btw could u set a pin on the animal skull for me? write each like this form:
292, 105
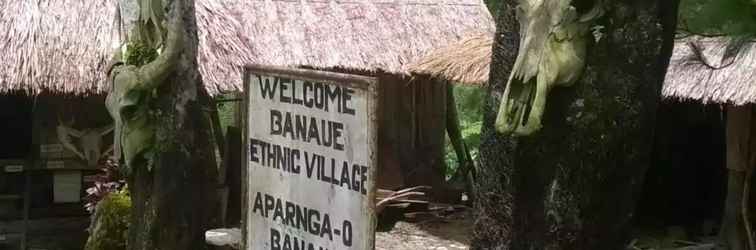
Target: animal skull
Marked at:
90, 141
552, 53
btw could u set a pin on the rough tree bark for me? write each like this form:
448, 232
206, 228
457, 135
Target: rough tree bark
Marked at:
574, 184
172, 187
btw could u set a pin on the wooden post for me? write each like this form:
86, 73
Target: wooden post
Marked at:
239, 111
739, 135
430, 118
739, 122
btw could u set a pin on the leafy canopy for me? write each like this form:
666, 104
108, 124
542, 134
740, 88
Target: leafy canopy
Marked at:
719, 17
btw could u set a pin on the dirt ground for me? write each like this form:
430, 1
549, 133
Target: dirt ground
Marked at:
453, 232
449, 233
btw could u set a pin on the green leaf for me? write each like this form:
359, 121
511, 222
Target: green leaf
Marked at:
728, 17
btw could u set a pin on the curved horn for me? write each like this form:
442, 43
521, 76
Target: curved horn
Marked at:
107, 129
64, 136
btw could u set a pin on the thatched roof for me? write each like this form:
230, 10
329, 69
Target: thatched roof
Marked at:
63, 45
465, 62
711, 78
55, 44
716, 81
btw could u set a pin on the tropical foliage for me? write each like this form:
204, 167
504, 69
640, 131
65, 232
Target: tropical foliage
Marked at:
493, 6
718, 17
469, 103
110, 204
111, 225
108, 181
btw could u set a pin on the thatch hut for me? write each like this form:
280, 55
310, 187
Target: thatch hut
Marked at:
62, 46
699, 70
372, 38
708, 78
465, 62
719, 70
57, 50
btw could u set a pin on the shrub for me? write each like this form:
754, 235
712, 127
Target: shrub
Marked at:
110, 223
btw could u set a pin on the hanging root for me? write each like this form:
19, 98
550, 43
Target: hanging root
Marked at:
744, 209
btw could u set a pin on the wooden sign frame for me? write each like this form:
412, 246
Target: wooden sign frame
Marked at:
363, 83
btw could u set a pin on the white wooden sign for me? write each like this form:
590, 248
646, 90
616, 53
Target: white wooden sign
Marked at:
311, 160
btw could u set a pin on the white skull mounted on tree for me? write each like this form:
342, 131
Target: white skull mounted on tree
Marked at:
90, 143
553, 39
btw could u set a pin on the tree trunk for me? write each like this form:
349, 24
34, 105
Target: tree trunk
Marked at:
574, 184
173, 201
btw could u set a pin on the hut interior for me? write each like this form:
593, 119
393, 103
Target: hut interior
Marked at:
705, 78
43, 182
16, 117
411, 130
684, 187
16, 143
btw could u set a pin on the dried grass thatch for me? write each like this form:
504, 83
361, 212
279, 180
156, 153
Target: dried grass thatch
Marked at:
63, 45
360, 34
59, 45
465, 62
710, 77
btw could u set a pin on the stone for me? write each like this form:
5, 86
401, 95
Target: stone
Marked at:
224, 237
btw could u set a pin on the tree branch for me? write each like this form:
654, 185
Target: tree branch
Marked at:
155, 72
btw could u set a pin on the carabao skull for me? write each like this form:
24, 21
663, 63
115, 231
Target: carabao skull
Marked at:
553, 40
90, 141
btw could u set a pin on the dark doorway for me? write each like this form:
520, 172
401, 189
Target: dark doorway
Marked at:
684, 188
15, 125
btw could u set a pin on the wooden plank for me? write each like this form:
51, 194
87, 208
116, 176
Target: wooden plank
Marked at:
43, 225
407, 129
739, 137
430, 133
437, 135
11, 238
10, 197
245, 158
395, 145
233, 165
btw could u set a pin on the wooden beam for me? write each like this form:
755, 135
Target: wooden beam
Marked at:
740, 143
739, 123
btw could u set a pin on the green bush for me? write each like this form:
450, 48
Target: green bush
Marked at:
719, 17
226, 111
110, 223
470, 114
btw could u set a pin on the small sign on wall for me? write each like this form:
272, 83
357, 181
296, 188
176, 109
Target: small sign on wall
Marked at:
55, 164
310, 159
67, 186
13, 168
50, 148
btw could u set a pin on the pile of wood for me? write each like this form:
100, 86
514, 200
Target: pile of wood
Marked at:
412, 205
403, 199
